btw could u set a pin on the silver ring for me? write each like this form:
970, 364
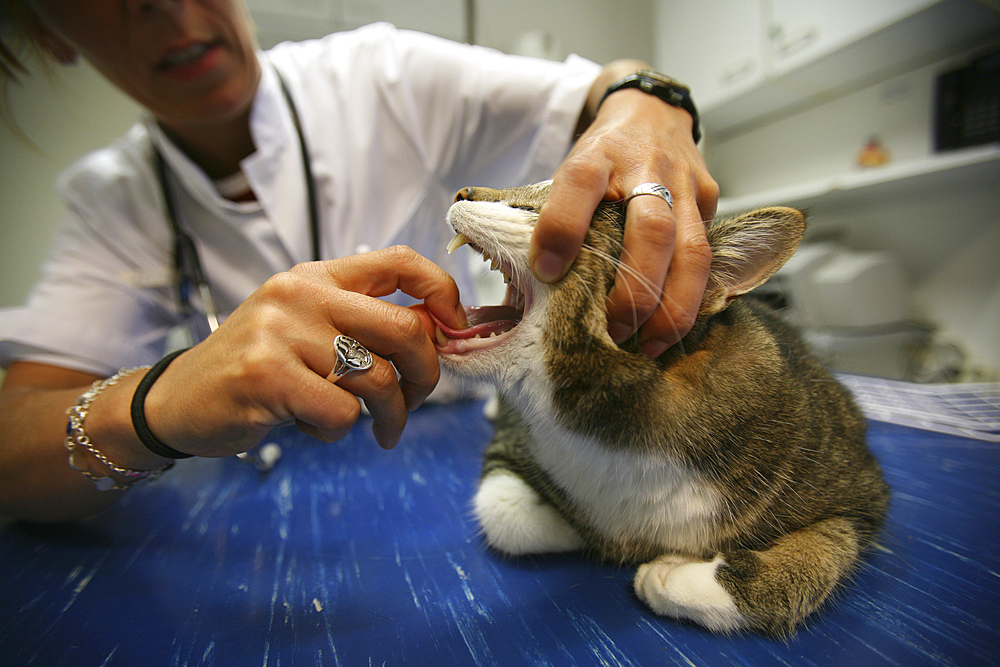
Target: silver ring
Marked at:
351, 356
656, 189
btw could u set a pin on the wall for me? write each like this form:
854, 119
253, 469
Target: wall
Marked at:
596, 29
62, 114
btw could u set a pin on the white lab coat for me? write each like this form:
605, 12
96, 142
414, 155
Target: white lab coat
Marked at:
395, 123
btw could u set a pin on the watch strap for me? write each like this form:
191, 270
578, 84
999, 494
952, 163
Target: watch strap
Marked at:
653, 83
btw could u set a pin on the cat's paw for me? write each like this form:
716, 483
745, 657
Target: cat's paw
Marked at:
491, 408
683, 587
517, 521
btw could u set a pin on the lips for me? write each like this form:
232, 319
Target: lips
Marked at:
190, 60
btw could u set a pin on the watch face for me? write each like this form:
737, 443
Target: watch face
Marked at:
662, 78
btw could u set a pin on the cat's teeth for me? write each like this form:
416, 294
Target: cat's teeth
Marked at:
493, 334
442, 340
506, 278
457, 242
494, 264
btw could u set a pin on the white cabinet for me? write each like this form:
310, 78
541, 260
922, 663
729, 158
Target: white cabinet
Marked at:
747, 60
799, 31
712, 45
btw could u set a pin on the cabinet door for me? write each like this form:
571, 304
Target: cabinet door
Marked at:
714, 46
798, 31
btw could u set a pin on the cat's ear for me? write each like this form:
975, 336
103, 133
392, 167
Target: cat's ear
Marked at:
747, 250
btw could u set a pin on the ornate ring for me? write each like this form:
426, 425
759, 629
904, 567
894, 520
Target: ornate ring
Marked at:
351, 356
656, 189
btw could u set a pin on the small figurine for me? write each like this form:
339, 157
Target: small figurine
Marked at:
873, 154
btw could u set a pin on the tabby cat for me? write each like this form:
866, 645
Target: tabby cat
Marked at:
733, 469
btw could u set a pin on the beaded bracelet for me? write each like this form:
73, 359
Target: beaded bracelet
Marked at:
77, 439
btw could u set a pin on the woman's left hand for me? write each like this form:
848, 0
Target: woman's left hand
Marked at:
636, 138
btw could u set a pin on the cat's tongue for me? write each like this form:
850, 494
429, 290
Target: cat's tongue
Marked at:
483, 321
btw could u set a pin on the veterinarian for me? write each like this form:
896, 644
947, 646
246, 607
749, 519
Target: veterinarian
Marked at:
248, 166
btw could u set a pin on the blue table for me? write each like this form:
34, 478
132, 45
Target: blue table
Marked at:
348, 555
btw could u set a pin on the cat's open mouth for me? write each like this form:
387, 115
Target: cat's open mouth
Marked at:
488, 325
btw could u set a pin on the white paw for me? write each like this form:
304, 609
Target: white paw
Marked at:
683, 587
517, 521
491, 408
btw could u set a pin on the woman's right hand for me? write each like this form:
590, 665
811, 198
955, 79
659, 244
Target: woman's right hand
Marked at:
271, 361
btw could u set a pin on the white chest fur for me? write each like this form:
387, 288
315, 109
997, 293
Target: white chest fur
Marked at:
624, 494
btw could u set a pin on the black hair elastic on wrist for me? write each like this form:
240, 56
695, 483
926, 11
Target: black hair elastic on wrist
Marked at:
139, 410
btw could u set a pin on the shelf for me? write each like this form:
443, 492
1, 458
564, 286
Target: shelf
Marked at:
912, 178
941, 30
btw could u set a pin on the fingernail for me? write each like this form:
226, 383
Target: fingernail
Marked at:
654, 348
619, 332
548, 266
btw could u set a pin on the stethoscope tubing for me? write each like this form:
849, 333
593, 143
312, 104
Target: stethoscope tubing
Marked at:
187, 264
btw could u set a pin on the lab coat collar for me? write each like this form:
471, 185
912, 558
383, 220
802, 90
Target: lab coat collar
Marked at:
274, 170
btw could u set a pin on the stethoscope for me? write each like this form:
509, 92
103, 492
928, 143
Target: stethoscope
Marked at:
187, 266
190, 275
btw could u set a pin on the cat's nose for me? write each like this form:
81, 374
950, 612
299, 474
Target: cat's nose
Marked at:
464, 194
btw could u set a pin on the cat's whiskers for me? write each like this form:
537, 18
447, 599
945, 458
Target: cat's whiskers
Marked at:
623, 270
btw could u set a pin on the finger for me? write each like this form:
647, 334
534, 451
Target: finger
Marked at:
648, 249
708, 195
327, 435
381, 392
397, 334
322, 409
335, 408
708, 202
383, 272
421, 311
683, 289
576, 190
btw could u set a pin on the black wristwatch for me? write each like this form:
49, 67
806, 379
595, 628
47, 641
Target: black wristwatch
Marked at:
672, 92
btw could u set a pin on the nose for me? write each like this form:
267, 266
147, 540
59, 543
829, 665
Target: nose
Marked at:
465, 194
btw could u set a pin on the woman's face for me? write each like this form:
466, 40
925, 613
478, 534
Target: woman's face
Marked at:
190, 62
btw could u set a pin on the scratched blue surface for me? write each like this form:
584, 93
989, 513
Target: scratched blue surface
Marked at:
348, 555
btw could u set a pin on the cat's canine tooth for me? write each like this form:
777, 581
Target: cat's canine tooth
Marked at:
442, 340
457, 242
494, 264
